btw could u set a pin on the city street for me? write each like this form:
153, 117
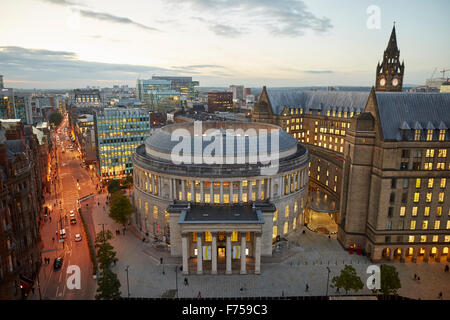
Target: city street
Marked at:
70, 182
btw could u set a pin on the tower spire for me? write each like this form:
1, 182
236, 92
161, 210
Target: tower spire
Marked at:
392, 44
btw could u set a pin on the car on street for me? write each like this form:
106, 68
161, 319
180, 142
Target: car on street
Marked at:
72, 214
62, 233
73, 221
57, 264
77, 237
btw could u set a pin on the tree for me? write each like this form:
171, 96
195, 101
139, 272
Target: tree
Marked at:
99, 239
348, 280
55, 118
106, 255
113, 186
128, 181
121, 208
390, 281
108, 286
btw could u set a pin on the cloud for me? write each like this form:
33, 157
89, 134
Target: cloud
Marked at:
200, 66
318, 71
45, 65
282, 17
102, 16
114, 19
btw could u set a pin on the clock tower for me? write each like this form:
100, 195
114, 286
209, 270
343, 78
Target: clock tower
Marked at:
390, 71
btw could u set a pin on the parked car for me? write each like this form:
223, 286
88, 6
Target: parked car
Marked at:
77, 237
62, 233
57, 264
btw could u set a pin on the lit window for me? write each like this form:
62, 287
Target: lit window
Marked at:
216, 198
402, 211
437, 224
442, 135
429, 197
443, 183
208, 237
418, 183
429, 135
286, 211
411, 239
441, 197
423, 238
234, 236
442, 153
275, 215
426, 211
155, 212
435, 238
430, 153
413, 225
286, 227
417, 135
207, 198
425, 225
430, 183
416, 197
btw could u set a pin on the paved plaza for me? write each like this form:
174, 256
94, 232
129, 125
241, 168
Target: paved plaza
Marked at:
303, 260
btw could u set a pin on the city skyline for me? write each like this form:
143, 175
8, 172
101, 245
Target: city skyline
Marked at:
256, 43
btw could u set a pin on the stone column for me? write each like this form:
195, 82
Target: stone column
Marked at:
153, 184
391, 254
231, 191
258, 253
415, 253
201, 192
243, 256
229, 254
283, 189
289, 183
403, 256
258, 197
192, 191
214, 254
240, 191
298, 180
199, 253
171, 189
250, 190
211, 192
183, 194
221, 192
159, 186
426, 256
184, 249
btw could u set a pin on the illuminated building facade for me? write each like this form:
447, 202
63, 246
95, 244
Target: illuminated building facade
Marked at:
220, 101
118, 132
217, 216
381, 156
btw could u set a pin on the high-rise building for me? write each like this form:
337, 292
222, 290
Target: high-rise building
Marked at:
220, 101
238, 93
145, 85
184, 85
118, 132
379, 162
1, 81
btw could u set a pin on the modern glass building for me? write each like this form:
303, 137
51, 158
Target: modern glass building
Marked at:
144, 86
184, 85
118, 132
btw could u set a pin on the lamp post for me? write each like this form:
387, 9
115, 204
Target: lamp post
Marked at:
176, 280
128, 284
328, 278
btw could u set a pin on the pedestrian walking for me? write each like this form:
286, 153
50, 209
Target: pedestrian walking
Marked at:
186, 283
440, 295
50, 218
199, 295
415, 276
307, 287
418, 278
446, 268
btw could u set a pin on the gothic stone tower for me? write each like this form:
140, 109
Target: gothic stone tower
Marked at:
390, 71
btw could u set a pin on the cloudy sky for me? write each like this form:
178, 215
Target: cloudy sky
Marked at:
75, 43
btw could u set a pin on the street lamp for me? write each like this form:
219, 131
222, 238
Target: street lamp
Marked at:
328, 278
176, 279
128, 284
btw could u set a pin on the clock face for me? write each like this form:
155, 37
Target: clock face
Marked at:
382, 82
395, 82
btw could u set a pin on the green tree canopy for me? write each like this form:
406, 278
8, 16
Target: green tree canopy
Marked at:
105, 255
348, 280
108, 286
55, 118
121, 208
390, 281
128, 181
100, 239
113, 186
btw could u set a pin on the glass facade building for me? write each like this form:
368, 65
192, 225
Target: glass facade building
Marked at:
118, 132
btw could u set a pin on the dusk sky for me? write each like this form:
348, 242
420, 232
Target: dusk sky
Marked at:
76, 43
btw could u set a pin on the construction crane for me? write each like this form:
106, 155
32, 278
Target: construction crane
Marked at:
443, 71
